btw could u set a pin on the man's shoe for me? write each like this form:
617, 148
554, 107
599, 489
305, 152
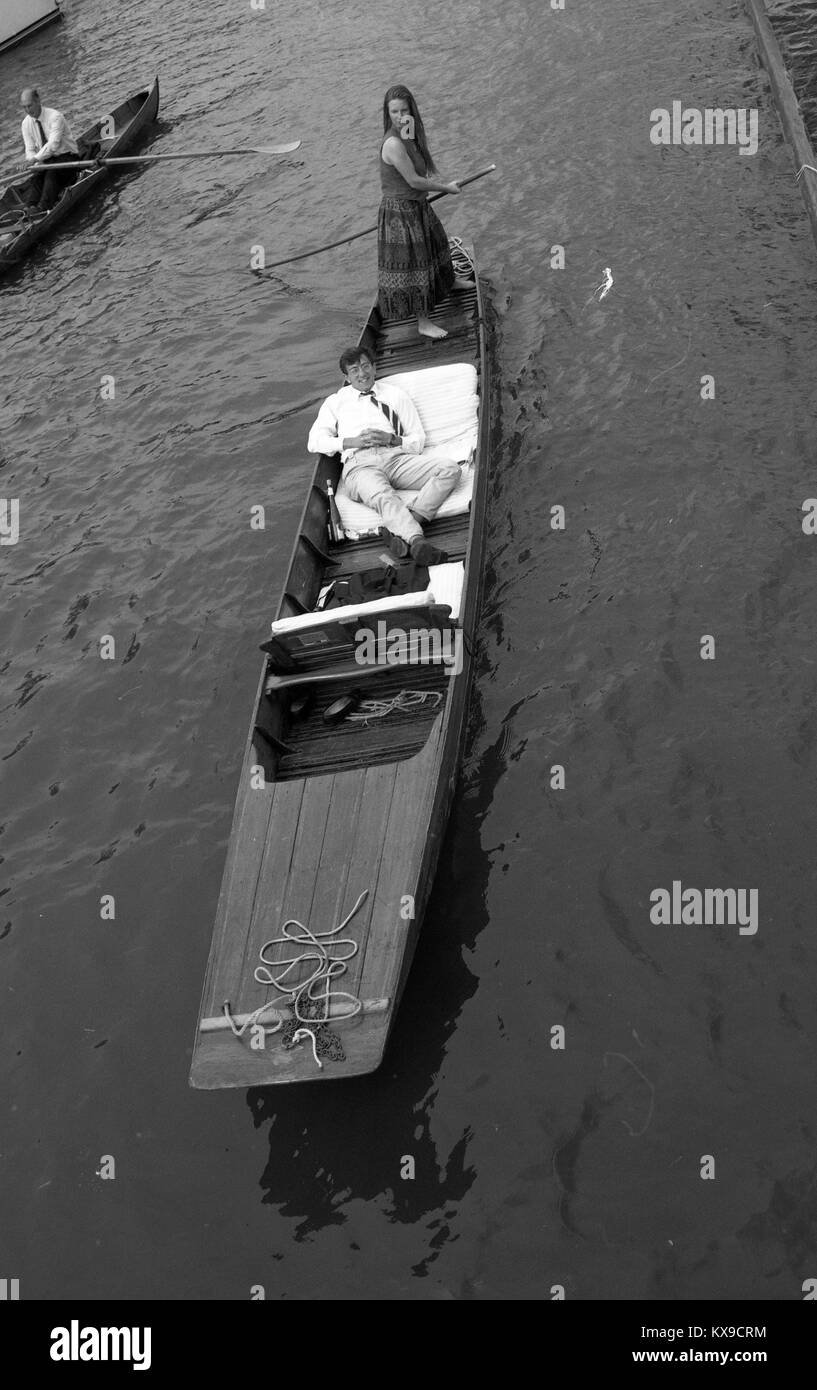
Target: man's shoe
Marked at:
425, 553
398, 547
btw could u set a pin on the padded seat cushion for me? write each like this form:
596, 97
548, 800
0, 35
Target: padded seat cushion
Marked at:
358, 518
447, 404
445, 587
445, 582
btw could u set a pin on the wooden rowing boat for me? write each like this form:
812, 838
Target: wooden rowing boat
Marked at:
330, 817
18, 232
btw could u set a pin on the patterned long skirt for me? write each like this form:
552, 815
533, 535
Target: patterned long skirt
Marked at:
414, 269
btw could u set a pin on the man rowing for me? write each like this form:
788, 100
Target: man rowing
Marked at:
48, 140
378, 460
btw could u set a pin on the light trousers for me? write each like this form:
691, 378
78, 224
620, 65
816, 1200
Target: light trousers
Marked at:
372, 475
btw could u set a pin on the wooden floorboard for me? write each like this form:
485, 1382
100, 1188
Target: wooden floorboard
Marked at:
401, 348
366, 856
318, 748
403, 839
334, 895
411, 359
239, 986
449, 533
331, 895
287, 880
248, 841
351, 857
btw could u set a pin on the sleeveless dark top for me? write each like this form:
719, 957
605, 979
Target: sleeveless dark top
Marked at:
392, 183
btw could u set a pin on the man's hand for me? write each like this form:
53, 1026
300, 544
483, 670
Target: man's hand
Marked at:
369, 439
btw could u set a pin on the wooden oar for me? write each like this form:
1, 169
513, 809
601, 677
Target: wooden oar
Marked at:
152, 158
472, 178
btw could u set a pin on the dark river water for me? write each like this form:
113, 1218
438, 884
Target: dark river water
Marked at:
536, 1167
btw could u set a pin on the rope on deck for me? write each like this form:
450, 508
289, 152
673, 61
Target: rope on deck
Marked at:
326, 967
460, 259
251, 1020
404, 700
310, 1010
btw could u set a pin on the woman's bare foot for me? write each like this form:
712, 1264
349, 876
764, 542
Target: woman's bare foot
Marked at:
461, 283
429, 329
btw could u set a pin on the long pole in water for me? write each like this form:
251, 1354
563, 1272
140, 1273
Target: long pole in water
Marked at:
472, 178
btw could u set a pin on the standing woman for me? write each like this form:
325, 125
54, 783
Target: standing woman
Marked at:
414, 269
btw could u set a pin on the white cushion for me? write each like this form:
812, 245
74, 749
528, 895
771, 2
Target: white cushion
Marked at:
445, 582
447, 404
302, 621
357, 517
445, 586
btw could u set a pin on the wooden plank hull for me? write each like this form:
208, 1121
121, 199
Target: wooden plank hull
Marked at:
131, 119
308, 847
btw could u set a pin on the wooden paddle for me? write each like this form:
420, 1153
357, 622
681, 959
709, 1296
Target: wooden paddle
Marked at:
472, 178
152, 158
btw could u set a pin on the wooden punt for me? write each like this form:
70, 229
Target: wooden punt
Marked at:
347, 809
18, 233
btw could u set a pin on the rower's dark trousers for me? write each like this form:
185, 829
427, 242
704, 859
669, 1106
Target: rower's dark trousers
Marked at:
45, 187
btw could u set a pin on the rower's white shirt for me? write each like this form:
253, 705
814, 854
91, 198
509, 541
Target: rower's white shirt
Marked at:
348, 413
58, 137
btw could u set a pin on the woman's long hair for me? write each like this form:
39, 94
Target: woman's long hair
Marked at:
403, 94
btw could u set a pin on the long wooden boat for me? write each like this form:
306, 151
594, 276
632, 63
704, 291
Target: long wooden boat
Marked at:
331, 818
19, 232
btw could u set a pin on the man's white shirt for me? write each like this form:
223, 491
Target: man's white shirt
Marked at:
347, 414
58, 137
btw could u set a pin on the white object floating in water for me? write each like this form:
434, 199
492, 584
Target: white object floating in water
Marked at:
606, 284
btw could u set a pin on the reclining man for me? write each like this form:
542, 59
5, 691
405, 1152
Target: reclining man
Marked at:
48, 140
378, 460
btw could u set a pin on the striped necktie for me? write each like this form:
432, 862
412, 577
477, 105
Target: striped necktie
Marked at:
391, 415
41, 133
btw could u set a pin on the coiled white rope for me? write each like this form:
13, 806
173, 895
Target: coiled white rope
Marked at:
326, 969
404, 700
460, 259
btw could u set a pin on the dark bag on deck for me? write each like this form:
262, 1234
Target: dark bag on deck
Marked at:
385, 581
88, 149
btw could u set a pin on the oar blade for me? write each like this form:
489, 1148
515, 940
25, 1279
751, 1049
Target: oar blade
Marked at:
127, 159
277, 149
